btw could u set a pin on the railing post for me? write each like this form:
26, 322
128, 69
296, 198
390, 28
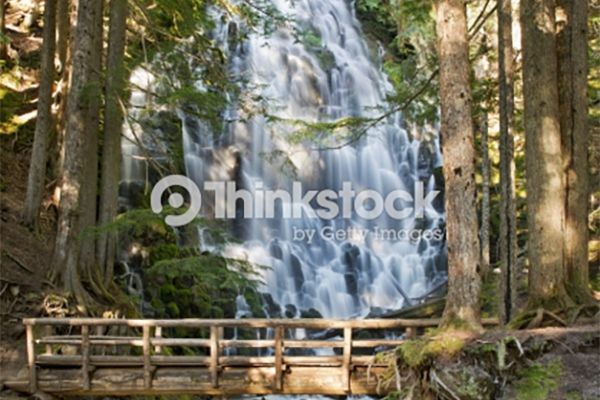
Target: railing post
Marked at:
85, 357
147, 360
31, 358
48, 332
278, 358
410, 333
347, 358
214, 355
158, 334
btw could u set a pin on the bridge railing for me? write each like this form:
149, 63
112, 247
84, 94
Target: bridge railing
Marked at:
82, 343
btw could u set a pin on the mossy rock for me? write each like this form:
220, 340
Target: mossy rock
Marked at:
418, 353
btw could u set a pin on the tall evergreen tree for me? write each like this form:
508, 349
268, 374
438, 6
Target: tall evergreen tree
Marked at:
508, 219
90, 167
464, 282
67, 245
543, 152
36, 180
113, 120
573, 104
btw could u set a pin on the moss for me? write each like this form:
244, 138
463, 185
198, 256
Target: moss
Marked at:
173, 309
574, 396
537, 381
416, 353
311, 38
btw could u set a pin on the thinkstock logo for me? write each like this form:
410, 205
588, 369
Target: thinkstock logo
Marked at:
260, 202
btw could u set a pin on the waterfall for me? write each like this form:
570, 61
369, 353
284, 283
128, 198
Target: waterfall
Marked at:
317, 82
316, 67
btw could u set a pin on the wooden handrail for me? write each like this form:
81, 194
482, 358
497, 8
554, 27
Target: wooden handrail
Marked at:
248, 323
214, 360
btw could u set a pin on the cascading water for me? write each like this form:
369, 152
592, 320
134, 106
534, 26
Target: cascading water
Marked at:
338, 277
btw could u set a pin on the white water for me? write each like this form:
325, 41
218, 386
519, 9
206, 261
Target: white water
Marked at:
345, 278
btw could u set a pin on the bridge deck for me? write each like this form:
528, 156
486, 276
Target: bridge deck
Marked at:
86, 356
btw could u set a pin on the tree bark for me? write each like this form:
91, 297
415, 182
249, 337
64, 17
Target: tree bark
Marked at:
111, 149
66, 250
543, 153
508, 220
63, 32
464, 282
484, 230
36, 180
65, 22
90, 167
573, 103
3, 49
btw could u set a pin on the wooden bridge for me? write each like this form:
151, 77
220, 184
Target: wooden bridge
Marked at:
87, 356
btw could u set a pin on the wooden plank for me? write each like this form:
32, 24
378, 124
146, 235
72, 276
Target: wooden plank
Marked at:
325, 361
254, 344
214, 356
122, 361
248, 361
158, 335
347, 357
250, 323
223, 361
115, 382
147, 357
181, 361
127, 341
96, 361
68, 340
278, 383
172, 342
313, 344
85, 357
370, 343
31, 358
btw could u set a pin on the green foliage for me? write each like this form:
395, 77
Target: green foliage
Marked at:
200, 285
537, 381
311, 38
376, 17
141, 224
324, 133
407, 31
172, 44
179, 280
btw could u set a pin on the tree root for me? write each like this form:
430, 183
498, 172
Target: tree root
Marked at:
541, 316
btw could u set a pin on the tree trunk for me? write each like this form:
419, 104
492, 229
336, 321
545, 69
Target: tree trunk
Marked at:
65, 22
464, 282
36, 181
508, 220
3, 49
572, 88
66, 250
543, 153
484, 230
111, 149
90, 167
63, 32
